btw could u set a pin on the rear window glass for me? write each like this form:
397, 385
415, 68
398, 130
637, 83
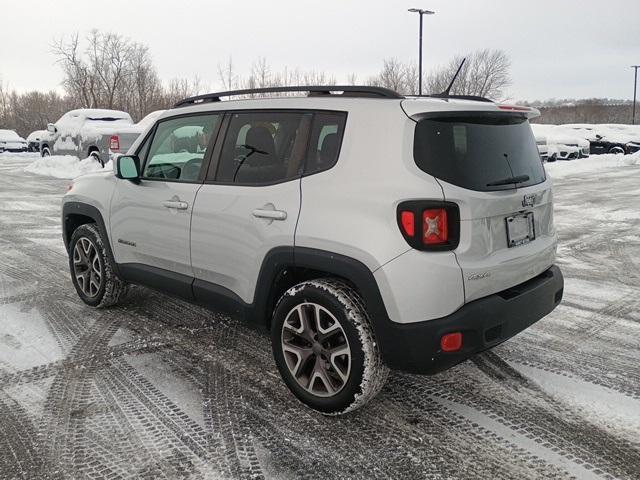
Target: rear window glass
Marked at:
475, 152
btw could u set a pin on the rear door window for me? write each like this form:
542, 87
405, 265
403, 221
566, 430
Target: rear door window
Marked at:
264, 147
475, 151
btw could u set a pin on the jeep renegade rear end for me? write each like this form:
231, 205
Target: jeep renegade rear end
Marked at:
366, 230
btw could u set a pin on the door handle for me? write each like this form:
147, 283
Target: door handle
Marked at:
178, 205
270, 214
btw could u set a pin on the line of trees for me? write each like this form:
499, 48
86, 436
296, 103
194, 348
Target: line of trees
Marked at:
107, 70
591, 110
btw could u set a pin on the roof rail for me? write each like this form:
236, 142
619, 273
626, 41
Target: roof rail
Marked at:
347, 91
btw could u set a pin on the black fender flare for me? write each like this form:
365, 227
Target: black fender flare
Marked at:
331, 264
78, 208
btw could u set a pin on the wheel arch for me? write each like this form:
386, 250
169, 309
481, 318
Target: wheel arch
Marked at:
285, 267
75, 214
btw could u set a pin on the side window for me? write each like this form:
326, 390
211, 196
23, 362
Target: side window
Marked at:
325, 141
263, 147
144, 148
179, 146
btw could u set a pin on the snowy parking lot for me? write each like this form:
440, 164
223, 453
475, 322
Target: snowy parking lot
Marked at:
159, 388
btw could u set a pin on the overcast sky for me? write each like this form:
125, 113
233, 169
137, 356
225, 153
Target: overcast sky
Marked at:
558, 48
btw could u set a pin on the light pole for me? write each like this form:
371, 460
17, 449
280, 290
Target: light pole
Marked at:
421, 13
635, 89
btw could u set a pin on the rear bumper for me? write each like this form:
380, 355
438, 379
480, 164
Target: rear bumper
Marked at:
484, 324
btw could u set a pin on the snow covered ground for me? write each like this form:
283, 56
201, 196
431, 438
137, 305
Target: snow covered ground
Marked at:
592, 164
161, 389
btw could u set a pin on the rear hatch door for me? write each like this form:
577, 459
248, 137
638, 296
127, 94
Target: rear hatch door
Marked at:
488, 164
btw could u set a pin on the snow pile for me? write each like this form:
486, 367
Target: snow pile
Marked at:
594, 163
66, 166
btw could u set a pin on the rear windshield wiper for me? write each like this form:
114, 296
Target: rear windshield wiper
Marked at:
508, 181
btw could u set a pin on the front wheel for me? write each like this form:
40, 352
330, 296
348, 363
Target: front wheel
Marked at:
92, 269
324, 347
45, 152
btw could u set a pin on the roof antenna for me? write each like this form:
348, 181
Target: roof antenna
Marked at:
446, 92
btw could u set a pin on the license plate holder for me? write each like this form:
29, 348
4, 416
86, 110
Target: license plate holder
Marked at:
520, 229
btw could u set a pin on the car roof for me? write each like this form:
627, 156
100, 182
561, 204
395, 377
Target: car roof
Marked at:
98, 112
411, 105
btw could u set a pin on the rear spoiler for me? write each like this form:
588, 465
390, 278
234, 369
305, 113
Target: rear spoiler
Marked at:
420, 107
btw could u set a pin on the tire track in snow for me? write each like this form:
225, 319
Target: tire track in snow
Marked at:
20, 452
70, 387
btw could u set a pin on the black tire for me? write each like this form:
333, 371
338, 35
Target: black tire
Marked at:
111, 288
45, 152
367, 373
96, 156
616, 150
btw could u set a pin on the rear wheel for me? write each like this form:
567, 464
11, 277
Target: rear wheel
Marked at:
92, 269
617, 150
324, 347
45, 152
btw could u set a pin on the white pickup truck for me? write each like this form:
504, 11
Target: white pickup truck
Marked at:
90, 133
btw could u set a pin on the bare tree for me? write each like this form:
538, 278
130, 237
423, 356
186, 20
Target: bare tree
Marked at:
111, 72
227, 76
398, 76
485, 74
77, 80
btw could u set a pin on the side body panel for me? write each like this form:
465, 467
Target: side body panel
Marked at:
145, 231
229, 243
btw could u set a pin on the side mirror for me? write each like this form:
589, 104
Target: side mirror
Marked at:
51, 128
128, 167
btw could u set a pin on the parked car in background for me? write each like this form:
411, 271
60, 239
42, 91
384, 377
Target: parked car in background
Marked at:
33, 140
91, 133
10, 141
632, 131
601, 138
543, 147
562, 144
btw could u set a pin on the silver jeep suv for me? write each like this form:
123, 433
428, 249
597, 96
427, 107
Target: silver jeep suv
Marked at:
365, 230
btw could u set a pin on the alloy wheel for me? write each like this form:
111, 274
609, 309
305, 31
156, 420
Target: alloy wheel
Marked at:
86, 267
316, 349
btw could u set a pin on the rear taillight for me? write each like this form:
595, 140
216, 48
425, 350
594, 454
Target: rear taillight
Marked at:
436, 226
429, 224
114, 144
